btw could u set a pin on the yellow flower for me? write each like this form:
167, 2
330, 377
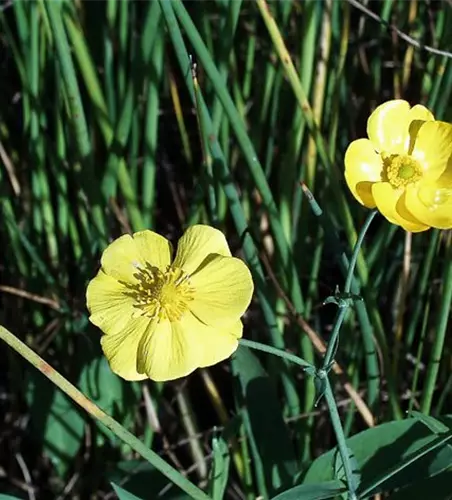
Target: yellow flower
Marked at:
163, 318
405, 167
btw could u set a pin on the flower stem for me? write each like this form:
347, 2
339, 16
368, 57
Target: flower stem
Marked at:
348, 284
172, 474
329, 356
440, 333
277, 352
341, 443
357, 248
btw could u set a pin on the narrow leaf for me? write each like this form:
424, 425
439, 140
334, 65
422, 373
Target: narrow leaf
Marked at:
320, 491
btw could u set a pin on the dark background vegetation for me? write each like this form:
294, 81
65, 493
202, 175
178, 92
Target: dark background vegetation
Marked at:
143, 129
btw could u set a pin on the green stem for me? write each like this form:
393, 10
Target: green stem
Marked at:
77, 116
172, 474
358, 244
331, 350
440, 334
340, 436
348, 284
277, 352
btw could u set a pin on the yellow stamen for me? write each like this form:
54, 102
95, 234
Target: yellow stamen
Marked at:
161, 295
401, 170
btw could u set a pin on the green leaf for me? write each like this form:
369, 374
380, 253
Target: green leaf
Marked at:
273, 454
432, 423
219, 473
124, 494
104, 388
433, 488
56, 421
381, 449
143, 480
436, 443
9, 497
319, 491
339, 471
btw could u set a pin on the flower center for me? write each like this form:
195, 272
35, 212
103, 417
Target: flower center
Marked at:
401, 170
161, 295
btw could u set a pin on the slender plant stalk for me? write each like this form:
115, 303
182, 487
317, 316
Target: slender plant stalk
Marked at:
340, 436
78, 397
276, 352
77, 112
332, 345
235, 204
440, 333
329, 356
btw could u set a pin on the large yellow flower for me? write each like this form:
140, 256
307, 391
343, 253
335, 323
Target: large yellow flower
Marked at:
405, 167
164, 318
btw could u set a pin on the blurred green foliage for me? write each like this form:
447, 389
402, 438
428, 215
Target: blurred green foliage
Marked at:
102, 132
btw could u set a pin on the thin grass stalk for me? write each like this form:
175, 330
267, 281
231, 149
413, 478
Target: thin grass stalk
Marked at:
300, 94
223, 417
372, 363
242, 137
77, 116
93, 87
420, 350
122, 48
206, 156
281, 242
409, 53
109, 82
23, 34
228, 29
440, 331
423, 284
287, 169
222, 171
78, 397
188, 420
151, 133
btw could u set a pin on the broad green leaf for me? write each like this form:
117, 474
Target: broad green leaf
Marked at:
219, 472
339, 471
141, 479
436, 443
432, 423
320, 491
9, 497
56, 422
433, 488
104, 388
382, 448
124, 494
273, 454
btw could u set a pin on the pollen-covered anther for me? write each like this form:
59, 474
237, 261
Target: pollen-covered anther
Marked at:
401, 170
162, 295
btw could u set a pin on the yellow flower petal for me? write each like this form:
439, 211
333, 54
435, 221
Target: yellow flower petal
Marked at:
363, 166
217, 345
153, 249
388, 126
223, 290
431, 205
170, 351
433, 149
121, 258
174, 350
121, 349
387, 198
197, 243
109, 306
